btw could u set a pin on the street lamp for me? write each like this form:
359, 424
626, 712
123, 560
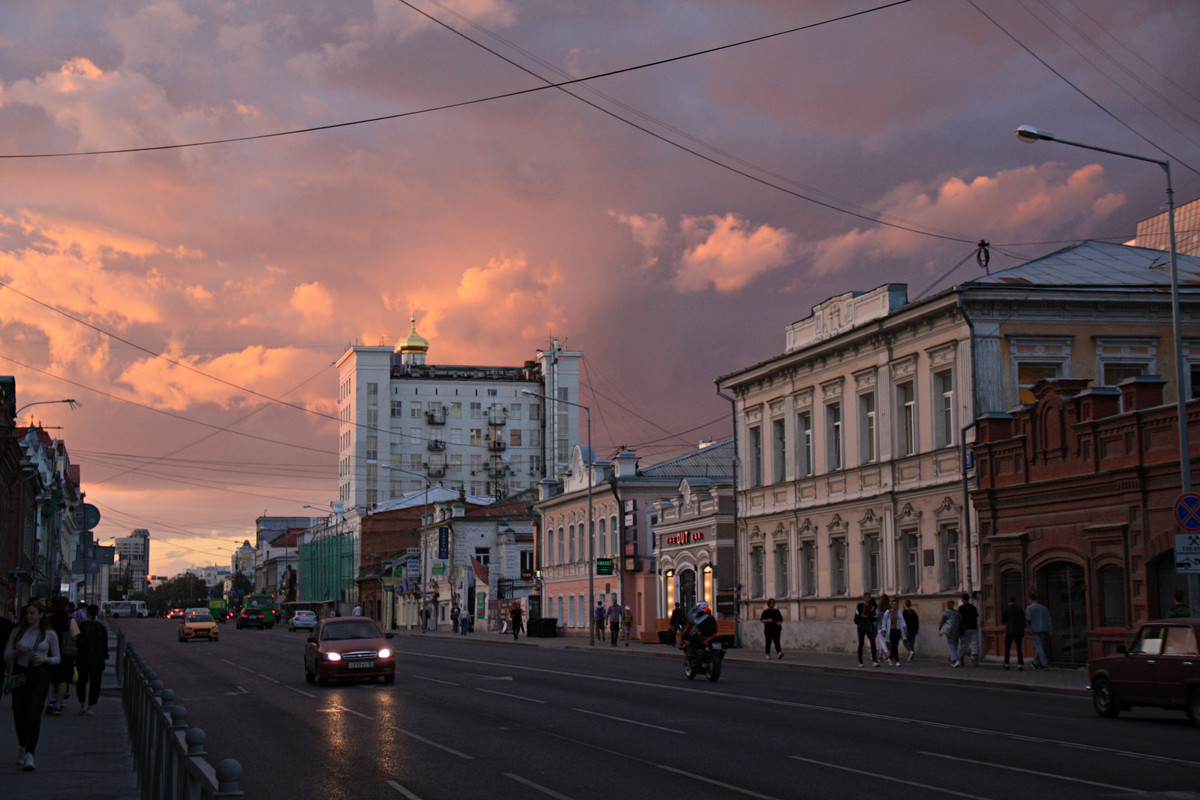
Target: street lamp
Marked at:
591, 545
1029, 135
73, 403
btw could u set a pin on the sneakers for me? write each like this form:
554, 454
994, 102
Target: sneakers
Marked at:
27, 764
780, 654
57, 710
767, 656
861, 664
21, 754
874, 663
955, 664
1018, 668
87, 712
896, 663
912, 655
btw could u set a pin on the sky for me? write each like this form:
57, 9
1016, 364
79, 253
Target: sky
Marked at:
204, 204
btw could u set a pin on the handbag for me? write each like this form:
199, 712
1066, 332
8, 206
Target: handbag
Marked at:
14, 681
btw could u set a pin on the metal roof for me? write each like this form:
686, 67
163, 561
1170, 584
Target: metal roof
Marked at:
713, 461
1098, 265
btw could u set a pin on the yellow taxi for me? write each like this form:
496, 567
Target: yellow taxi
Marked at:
198, 624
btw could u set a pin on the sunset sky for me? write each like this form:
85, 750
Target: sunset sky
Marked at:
746, 160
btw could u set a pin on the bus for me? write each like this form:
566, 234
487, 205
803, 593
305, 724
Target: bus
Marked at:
123, 608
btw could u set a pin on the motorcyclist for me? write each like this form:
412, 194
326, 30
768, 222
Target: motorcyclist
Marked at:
700, 627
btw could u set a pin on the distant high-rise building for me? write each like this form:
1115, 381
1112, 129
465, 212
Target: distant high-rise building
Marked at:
243, 559
133, 553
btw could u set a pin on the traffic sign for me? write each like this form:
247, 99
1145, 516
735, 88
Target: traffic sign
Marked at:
85, 516
1187, 553
1187, 511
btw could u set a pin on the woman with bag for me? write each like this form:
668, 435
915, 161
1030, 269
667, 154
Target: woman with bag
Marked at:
93, 652
30, 652
62, 675
951, 628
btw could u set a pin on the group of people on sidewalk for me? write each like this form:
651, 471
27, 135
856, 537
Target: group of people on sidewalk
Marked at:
43, 655
885, 626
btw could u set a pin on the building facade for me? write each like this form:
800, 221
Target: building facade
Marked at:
133, 559
851, 451
694, 545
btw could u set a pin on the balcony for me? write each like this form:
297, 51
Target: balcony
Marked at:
497, 445
435, 470
497, 417
436, 416
435, 445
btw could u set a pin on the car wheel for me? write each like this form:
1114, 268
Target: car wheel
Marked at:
322, 680
389, 679
309, 677
1104, 698
1193, 705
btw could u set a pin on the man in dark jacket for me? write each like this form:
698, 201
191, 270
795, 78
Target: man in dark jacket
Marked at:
93, 652
1013, 620
969, 643
864, 621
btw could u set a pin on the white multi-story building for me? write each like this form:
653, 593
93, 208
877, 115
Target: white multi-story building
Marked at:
479, 430
243, 559
133, 553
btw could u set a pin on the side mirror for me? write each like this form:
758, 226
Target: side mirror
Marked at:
1121, 649
312, 640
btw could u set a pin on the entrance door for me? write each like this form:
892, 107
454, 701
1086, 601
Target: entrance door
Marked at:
1062, 588
687, 589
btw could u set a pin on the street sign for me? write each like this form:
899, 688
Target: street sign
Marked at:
443, 542
85, 516
604, 566
439, 568
412, 551
412, 569
1187, 511
1187, 553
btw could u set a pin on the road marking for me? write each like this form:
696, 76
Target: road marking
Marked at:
246, 669
538, 786
877, 775
402, 790
434, 680
298, 691
432, 743
1039, 773
490, 677
266, 677
726, 786
508, 694
238, 692
351, 711
630, 721
230, 663
794, 704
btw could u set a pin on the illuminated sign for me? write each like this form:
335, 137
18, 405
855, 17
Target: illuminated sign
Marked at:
687, 537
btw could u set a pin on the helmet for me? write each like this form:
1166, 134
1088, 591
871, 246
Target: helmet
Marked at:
699, 612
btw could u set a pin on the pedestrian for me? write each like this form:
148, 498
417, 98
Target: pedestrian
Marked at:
626, 625
357, 612
772, 622
30, 651
1180, 609
93, 652
465, 622
893, 627
882, 638
454, 612
515, 617
912, 625
614, 620
1013, 620
951, 628
598, 619
62, 674
864, 622
968, 641
675, 623
1040, 627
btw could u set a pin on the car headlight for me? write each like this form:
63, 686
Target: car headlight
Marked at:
333, 656
385, 653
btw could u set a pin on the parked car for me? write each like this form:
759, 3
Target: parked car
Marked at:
175, 613
348, 648
198, 624
1159, 668
302, 620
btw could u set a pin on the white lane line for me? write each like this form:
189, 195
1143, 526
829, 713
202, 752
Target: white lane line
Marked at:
402, 790
434, 680
240, 690
509, 694
351, 711
876, 775
726, 786
432, 743
230, 663
630, 721
245, 669
1039, 773
299, 691
266, 677
538, 786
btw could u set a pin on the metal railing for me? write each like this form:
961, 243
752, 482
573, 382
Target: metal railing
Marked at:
169, 756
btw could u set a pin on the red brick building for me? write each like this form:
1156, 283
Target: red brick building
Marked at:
1075, 500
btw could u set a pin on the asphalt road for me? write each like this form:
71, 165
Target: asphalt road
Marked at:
473, 719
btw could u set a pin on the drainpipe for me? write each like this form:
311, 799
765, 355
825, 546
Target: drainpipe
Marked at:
737, 572
963, 441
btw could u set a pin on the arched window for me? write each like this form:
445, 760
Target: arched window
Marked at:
570, 542
560, 545
602, 541
1112, 597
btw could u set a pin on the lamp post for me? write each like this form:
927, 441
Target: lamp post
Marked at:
424, 516
590, 535
70, 401
1030, 134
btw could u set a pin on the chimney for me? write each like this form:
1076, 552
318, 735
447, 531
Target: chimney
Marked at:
1142, 392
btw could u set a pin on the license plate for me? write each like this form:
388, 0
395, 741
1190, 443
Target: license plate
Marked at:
360, 664
718, 646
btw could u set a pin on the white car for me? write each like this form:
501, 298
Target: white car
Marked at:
302, 620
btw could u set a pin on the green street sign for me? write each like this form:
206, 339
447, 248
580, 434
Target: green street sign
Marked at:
604, 566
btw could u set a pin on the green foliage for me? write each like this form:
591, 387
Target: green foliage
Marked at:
182, 592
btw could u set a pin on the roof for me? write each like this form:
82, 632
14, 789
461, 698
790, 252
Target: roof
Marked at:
1096, 264
713, 461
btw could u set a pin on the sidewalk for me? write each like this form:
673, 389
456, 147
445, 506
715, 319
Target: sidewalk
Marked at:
926, 667
78, 758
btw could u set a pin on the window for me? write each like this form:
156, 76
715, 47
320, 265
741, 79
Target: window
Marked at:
808, 568
397, 409
871, 563
948, 547
1181, 641
514, 410
781, 569
837, 566
943, 397
778, 448
372, 392
456, 436
535, 411
570, 542
526, 557
755, 456
414, 409
1112, 597
804, 445
910, 551
483, 555
514, 437
756, 571
833, 436
476, 410
571, 622
866, 428
906, 418
560, 545
1120, 358
602, 541
476, 436
1028, 374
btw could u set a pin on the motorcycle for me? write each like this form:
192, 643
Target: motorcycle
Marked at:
706, 660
